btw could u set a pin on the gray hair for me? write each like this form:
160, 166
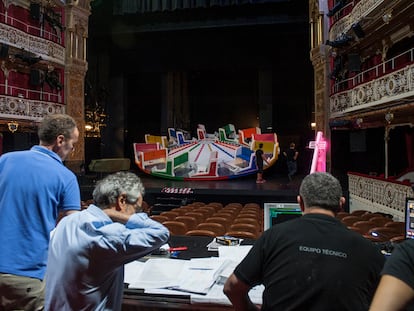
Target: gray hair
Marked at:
108, 189
321, 190
54, 125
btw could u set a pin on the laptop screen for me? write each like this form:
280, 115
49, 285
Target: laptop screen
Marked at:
409, 218
275, 213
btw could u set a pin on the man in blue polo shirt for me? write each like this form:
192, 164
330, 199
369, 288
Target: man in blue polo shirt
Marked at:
34, 187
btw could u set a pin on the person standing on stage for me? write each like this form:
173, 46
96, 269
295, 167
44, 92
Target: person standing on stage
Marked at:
260, 158
88, 250
310, 263
35, 187
291, 157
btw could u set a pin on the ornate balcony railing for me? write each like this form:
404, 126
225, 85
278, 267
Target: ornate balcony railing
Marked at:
376, 194
27, 109
360, 10
48, 50
397, 85
32, 30
374, 72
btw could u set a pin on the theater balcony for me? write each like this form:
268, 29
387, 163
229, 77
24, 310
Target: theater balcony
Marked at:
371, 49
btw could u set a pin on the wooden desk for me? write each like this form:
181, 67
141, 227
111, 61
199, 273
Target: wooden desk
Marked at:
137, 300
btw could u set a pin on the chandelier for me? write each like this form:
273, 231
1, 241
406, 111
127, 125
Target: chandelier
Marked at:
95, 118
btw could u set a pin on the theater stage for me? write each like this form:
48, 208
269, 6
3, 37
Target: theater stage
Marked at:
277, 188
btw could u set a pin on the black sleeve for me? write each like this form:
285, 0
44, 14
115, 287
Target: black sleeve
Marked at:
249, 269
401, 263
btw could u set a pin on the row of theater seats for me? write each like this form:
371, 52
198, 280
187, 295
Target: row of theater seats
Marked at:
214, 219
376, 227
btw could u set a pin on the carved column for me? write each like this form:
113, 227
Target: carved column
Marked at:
76, 15
319, 56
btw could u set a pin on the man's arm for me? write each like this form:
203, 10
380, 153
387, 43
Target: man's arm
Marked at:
296, 155
237, 291
265, 159
392, 294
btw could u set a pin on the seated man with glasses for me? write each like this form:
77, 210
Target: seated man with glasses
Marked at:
88, 250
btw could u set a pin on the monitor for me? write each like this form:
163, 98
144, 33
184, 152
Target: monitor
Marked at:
275, 213
409, 218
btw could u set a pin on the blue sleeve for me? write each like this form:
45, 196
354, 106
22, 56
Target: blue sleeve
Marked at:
137, 238
71, 199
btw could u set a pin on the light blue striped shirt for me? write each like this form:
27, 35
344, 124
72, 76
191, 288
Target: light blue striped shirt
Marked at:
87, 253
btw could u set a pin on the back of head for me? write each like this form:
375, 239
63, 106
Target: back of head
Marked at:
321, 190
261, 145
54, 125
108, 189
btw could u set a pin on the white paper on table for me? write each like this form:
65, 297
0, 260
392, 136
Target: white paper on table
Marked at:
160, 273
131, 271
214, 295
201, 274
235, 255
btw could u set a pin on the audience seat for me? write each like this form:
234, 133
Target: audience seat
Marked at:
199, 216
175, 227
189, 221
225, 215
357, 230
215, 207
364, 225
398, 226
218, 229
359, 212
368, 216
350, 220
383, 233
206, 211
199, 232
246, 220
226, 222
241, 234
159, 218
380, 221
254, 205
249, 215
170, 215
245, 227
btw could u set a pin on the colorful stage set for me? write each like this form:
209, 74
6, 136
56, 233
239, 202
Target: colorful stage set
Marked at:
227, 154
216, 166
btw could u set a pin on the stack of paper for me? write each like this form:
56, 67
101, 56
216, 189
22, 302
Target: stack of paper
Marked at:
193, 276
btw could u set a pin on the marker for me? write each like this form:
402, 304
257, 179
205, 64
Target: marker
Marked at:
179, 248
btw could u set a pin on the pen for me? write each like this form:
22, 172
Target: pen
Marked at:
180, 248
201, 269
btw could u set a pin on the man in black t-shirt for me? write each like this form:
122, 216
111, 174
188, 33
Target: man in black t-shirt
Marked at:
396, 289
311, 263
260, 158
291, 156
